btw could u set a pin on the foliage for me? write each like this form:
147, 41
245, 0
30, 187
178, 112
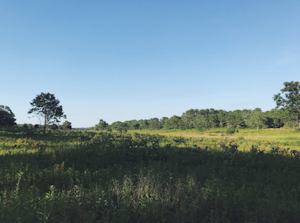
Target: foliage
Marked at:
286, 114
102, 125
187, 118
235, 119
257, 119
66, 125
47, 107
173, 123
53, 127
87, 176
7, 117
202, 123
121, 127
289, 99
230, 131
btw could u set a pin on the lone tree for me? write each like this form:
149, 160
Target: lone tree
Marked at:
47, 107
290, 99
7, 117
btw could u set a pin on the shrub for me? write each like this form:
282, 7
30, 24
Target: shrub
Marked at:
230, 131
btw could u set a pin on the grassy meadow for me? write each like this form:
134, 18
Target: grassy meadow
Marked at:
149, 176
282, 137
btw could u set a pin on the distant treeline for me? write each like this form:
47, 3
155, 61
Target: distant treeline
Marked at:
65, 126
286, 113
211, 118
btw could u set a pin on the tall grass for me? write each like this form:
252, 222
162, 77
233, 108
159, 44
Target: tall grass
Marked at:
79, 176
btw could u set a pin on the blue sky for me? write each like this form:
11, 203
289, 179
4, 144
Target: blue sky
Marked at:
124, 60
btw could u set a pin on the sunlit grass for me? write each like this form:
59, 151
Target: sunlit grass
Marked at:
274, 134
88, 176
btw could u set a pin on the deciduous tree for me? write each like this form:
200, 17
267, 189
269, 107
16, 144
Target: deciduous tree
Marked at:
202, 122
187, 118
289, 99
7, 117
101, 125
173, 122
256, 119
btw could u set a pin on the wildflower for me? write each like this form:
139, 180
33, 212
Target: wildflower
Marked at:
281, 149
19, 140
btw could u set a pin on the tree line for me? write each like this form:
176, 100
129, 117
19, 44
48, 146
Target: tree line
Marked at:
210, 118
287, 113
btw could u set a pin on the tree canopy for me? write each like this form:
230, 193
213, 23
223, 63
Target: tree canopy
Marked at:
67, 125
289, 99
101, 125
47, 107
7, 117
256, 119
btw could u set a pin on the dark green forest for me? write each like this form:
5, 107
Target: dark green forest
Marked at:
211, 118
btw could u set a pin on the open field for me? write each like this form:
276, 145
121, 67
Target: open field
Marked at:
88, 176
282, 137
282, 133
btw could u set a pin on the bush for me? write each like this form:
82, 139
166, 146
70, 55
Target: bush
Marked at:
230, 131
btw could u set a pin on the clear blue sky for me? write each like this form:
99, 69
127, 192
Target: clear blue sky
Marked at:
124, 60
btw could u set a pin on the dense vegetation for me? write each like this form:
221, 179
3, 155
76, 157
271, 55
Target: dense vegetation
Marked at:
7, 117
81, 176
126, 172
286, 113
211, 118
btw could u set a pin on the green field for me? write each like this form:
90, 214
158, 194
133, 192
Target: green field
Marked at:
269, 133
281, 137
149, 176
